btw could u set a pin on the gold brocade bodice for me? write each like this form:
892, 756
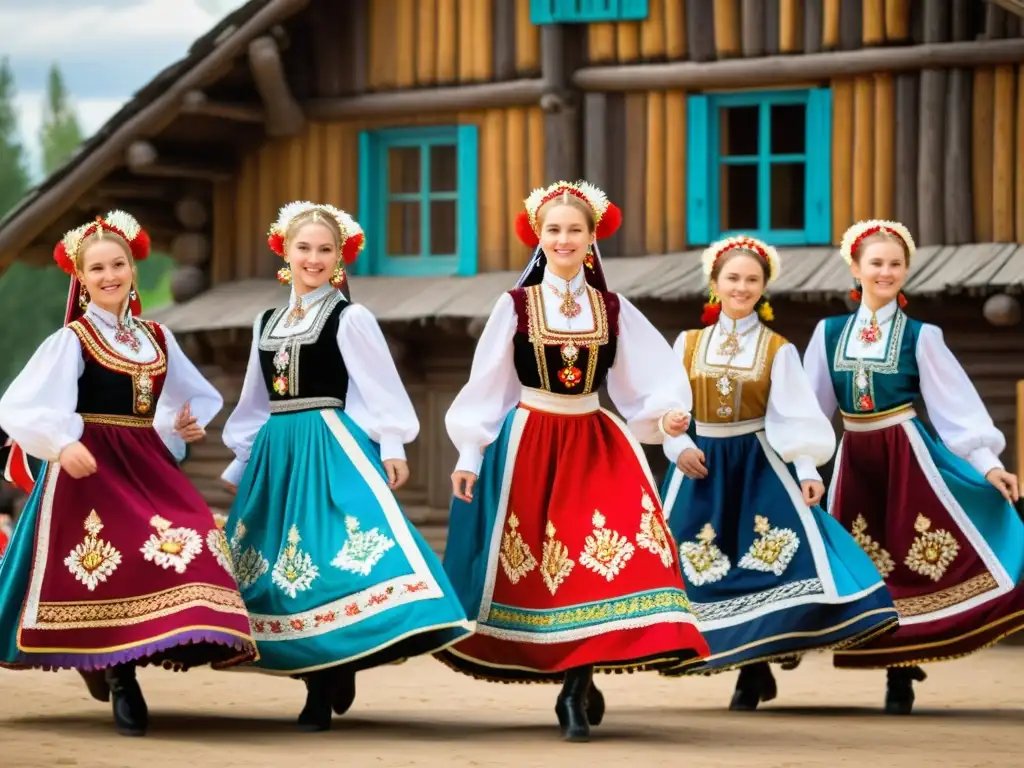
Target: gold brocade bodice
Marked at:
750, 383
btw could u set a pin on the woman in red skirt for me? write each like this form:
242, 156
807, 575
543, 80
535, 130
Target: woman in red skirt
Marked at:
115, 562
557, 545
933, 510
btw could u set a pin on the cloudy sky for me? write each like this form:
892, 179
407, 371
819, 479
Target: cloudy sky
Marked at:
107, 50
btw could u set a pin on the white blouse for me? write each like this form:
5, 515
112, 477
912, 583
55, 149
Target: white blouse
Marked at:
794, 426
954, 406
644, 382
38, 409
376, 399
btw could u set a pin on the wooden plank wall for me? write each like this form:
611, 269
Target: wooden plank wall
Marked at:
415, 43
941, 150
705, 30
322, 164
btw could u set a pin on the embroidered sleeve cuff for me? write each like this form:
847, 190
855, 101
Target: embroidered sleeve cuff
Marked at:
805, 469
984, 460
470, 459
391, 447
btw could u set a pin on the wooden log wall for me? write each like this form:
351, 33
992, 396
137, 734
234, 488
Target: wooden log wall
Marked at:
322, 165
417, 43
705, 30
941, 150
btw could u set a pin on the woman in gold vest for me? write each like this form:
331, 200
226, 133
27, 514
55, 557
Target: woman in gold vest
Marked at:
769, 574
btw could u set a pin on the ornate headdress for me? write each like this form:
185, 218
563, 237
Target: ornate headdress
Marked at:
762, 251
607, 220
68, 253
855, 236
352, 240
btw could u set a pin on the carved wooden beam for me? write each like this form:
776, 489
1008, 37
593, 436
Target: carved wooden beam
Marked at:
781, 70
198, 103
1013, 6
89, 168
512, 93
284, 115
143, 159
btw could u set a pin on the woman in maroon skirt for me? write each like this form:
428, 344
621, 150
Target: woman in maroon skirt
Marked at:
115, 562
933, 513
557, 544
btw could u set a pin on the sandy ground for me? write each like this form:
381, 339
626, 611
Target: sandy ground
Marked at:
970, 713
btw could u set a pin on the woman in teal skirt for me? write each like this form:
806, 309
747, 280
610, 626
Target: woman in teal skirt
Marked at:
334, 576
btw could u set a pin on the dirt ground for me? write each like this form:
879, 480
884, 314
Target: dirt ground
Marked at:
970, 713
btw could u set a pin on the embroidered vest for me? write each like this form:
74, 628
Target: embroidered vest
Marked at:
749, 386
112, 385
564, 362
307, 364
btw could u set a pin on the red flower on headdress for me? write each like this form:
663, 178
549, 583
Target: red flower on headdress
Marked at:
122, 224
607, 216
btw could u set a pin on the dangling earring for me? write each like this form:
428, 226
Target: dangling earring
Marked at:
132, 295
712, 309
83, 298
855, 293
902, 300
588, 260
765, 311
284, 276
338, 275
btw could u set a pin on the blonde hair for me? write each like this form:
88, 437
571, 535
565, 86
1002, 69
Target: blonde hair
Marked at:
314, 216
881, 236
99, 235
572, 201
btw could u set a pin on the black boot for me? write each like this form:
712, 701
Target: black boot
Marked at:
899, 692
595, 705
96, 682
571, 706
344, 691
756, 683
316, 715
131, 715
792, 662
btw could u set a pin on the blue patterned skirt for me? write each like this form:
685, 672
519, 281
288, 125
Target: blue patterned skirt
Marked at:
330, 569
767, 576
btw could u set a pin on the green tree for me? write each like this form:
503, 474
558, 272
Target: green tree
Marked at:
14, 181
60, 134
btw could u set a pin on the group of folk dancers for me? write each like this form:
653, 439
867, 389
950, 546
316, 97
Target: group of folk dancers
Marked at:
563, 558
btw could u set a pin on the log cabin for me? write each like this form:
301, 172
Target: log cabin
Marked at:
431, 120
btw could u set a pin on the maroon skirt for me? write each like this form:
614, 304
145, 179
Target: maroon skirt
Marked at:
128, 564
947, 544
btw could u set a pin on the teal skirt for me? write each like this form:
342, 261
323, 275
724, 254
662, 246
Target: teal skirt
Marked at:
330, 569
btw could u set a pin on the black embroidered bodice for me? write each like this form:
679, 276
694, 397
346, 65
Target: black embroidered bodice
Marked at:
306, 364
564, 362
112, 385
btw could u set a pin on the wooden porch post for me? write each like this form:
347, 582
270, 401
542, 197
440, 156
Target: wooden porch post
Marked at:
562, 50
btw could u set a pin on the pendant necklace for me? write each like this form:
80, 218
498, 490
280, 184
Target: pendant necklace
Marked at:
298, 312
569, 307
731, 346
124, 332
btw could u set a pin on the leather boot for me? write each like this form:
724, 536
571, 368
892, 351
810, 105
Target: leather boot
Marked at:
96, 682
131, 715
595, 705
899, 691
571, 706
316, 715
755, 684
344, 691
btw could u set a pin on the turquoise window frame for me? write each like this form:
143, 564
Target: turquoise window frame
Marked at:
586, 11
374, 197
703, 176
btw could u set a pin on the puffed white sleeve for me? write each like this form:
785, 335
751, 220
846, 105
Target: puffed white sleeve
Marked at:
376, 400
183, 384
796, 428
250, 414
38, 410
818, 373
674, 446
646, 381
954, 406
475, 417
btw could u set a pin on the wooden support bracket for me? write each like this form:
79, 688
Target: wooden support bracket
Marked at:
284, 115
143, 159
197, 103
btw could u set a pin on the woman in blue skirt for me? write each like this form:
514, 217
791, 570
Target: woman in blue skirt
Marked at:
335, 577
768, 573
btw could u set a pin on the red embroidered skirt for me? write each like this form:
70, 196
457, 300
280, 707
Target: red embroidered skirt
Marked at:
951, 550
127, 564
577, 565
